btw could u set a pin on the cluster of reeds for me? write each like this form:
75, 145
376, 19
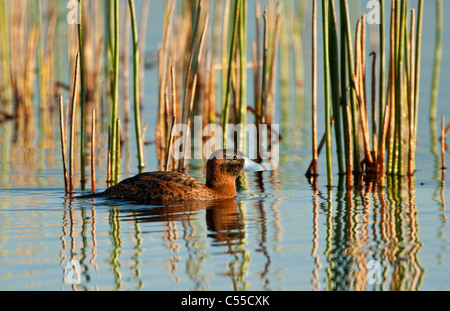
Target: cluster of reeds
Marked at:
198, 76
29, 83
114, 130
20, 31
374, 137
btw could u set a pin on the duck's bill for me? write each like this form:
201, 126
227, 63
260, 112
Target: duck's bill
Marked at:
251, 166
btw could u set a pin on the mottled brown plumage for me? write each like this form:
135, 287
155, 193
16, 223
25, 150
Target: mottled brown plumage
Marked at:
222, 169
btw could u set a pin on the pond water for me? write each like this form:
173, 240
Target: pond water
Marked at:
280, 233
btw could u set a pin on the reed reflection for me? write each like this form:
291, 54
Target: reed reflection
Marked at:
225, 227
80, 256
370, 223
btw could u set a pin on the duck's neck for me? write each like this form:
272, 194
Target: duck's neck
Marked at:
220, 181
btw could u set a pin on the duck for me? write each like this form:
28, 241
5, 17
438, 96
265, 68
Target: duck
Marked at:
223, 167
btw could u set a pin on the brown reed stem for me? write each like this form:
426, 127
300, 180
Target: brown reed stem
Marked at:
382, 158
358, 80
94, 118
174, 92
319, 150
63, 143
412, 112
118, 141
363, 58
108, 164
72, 126
188, 122
262, 113
374, 105
174, 120
443, 142
314, 89
350, 150
169, 144
186, 118
191, 61
160, 118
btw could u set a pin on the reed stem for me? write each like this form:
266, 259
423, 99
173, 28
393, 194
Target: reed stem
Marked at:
63, 143
136, 62
382, 78
418, 55
334, 78
262, 113
443, 143
351, 69
169, 144
437, 60
326, 73
226, 105
72, 124
117, 166
314, 89
4, 44
93, 129
270, 99
242, 115
399, 88
115, 161
82, 97
411, 166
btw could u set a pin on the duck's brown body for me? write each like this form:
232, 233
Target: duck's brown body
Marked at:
164, 186
222, 169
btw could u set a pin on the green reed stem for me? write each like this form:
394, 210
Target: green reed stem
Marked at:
326, 73
286, 33
225, 26
137, 114
437, 60
382, 78
115, 161
4, 42
343, 83
391, 92
351, 70
418, 66
242, 117
226, 105
298, 52
399, 88
82, 99
334, 76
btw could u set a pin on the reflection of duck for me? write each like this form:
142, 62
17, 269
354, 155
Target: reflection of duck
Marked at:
223, 219
222, 169
225, 223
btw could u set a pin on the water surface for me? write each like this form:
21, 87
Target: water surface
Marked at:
281, 233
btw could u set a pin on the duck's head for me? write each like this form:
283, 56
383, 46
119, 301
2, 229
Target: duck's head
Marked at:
224, 166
